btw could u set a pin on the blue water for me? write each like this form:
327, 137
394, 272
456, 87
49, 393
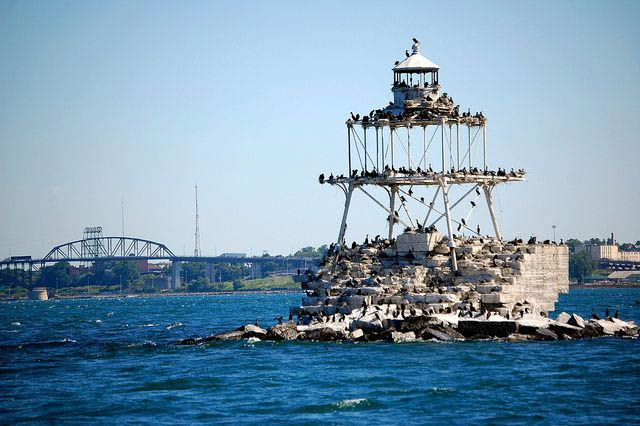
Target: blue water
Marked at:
114, 361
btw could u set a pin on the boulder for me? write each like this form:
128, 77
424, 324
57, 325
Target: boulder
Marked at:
367, 326
530, 323
283, 331
400, 337
228, 335
565, 330
517, 337
251, 330
416, 324
545, 334
474, 327
563, 318
443, 333
576, 320
610, 327
357, 334
321, 335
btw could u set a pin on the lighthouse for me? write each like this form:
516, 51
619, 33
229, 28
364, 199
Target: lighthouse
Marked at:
408, 155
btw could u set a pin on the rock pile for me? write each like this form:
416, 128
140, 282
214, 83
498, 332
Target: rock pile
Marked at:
442, 328
406, 289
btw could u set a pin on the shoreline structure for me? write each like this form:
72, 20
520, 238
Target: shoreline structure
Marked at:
424, 285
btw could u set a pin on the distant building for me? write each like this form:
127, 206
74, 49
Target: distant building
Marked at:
609, 252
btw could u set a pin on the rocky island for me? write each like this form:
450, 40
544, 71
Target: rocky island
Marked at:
404, 290
423, 284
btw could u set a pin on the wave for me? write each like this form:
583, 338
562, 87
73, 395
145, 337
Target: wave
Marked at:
174, 325
352, 404
349, 403
16, 323
45, 344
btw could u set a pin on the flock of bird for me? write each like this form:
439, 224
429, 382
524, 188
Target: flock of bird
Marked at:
429, 113
429, 173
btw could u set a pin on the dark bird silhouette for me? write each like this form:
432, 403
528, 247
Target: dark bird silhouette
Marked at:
473, 204
415, 40
279, 319
459, 227
478, 229
464, 222
397, 62
615, 315
477, 191
606, 312
406, 52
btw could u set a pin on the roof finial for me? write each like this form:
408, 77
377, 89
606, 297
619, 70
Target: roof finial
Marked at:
416, 46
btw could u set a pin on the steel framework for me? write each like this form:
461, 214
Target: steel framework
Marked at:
108, 247
428, 131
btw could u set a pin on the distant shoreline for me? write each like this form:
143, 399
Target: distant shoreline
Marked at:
173, 294
606, 285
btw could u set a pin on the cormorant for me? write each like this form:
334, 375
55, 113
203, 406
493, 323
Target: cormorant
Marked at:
415, 40
478, 230
406, 52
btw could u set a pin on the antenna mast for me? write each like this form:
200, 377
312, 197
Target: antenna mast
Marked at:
196, 251
122, 205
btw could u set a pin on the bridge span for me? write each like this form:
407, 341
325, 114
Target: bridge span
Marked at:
108, 249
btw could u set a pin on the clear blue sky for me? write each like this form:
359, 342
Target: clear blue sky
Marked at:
143, 100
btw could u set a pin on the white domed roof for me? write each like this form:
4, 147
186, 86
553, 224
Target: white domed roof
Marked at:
416, 62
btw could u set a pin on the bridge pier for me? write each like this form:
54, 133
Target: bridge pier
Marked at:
211, 272
175, 275
256, 270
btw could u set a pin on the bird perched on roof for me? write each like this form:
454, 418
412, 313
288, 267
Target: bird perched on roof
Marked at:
406, 52
415, 40
397, 62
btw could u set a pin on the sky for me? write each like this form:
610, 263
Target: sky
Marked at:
140, 101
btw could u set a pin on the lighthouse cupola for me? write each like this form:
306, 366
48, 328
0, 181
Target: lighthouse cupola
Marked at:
414, 78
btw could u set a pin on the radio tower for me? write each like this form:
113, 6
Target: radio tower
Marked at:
196, 250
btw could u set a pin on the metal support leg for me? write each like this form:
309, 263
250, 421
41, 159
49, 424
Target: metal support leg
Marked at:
484, 144
487, 195
392, 209
343, 224
442, 144
452, 244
